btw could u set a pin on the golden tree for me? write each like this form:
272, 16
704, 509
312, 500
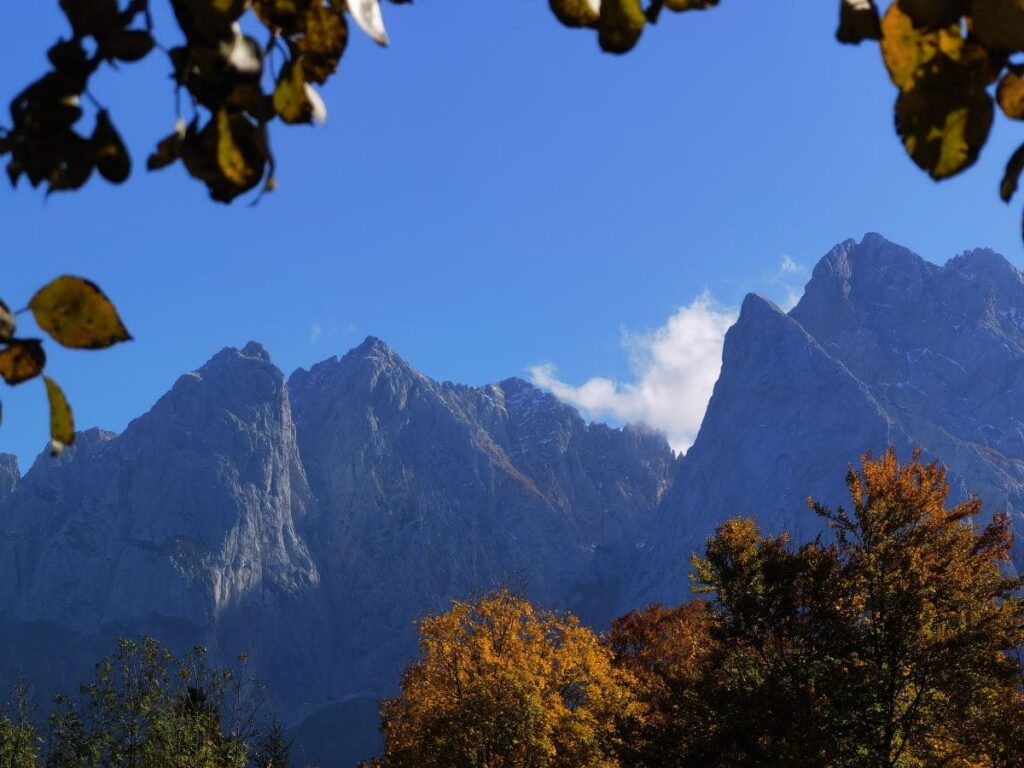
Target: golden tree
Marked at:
668, 654
501, 684
895, 645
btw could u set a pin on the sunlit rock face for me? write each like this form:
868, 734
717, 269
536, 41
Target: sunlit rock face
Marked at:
184, 525
310, 521
883, 349
429, 491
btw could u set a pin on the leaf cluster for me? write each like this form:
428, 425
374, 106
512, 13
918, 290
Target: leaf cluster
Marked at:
76, 314
620, 23
235, 85
951, 61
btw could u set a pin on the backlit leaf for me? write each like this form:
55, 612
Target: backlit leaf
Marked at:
945, 119
22, 361
322, 42
77, 314
577, 13
235, 151
368, 16
906, 50
290, 100
620, 25
62, 422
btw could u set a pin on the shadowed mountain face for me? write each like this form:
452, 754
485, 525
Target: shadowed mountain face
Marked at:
883, 349
311, 521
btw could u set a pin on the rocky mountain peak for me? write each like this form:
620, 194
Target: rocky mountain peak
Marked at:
852, 274
985, 263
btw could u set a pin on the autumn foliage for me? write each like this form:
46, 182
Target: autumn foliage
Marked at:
501, 683
890, 641
76, 314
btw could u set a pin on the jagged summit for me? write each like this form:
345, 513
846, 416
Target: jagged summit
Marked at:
985, 262
255, 350
755, 305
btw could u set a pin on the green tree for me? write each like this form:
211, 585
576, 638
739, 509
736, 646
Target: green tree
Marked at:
146, 708
275, 751
19, 739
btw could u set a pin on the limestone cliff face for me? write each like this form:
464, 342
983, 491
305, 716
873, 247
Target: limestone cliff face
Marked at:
429, 491
310, 523
184, 524
942, 348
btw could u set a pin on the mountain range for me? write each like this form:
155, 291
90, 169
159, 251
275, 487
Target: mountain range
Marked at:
309, 520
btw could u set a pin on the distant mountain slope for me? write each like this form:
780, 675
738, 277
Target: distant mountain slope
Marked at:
311, 520
883, 349
310, 523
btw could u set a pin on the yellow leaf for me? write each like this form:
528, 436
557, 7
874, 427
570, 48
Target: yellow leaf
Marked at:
906, 50
62, 422
22, 361
290, 99
230, 157
77, 314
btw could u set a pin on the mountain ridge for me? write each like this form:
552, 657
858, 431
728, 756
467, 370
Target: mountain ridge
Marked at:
310, 518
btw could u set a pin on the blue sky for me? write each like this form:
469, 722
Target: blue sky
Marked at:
488, 194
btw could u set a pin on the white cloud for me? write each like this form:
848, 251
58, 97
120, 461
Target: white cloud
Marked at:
675, 369
782, 279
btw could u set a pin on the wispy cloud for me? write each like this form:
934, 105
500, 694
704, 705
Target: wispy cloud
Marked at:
789, 278
327, 330
674, 369
315, 332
